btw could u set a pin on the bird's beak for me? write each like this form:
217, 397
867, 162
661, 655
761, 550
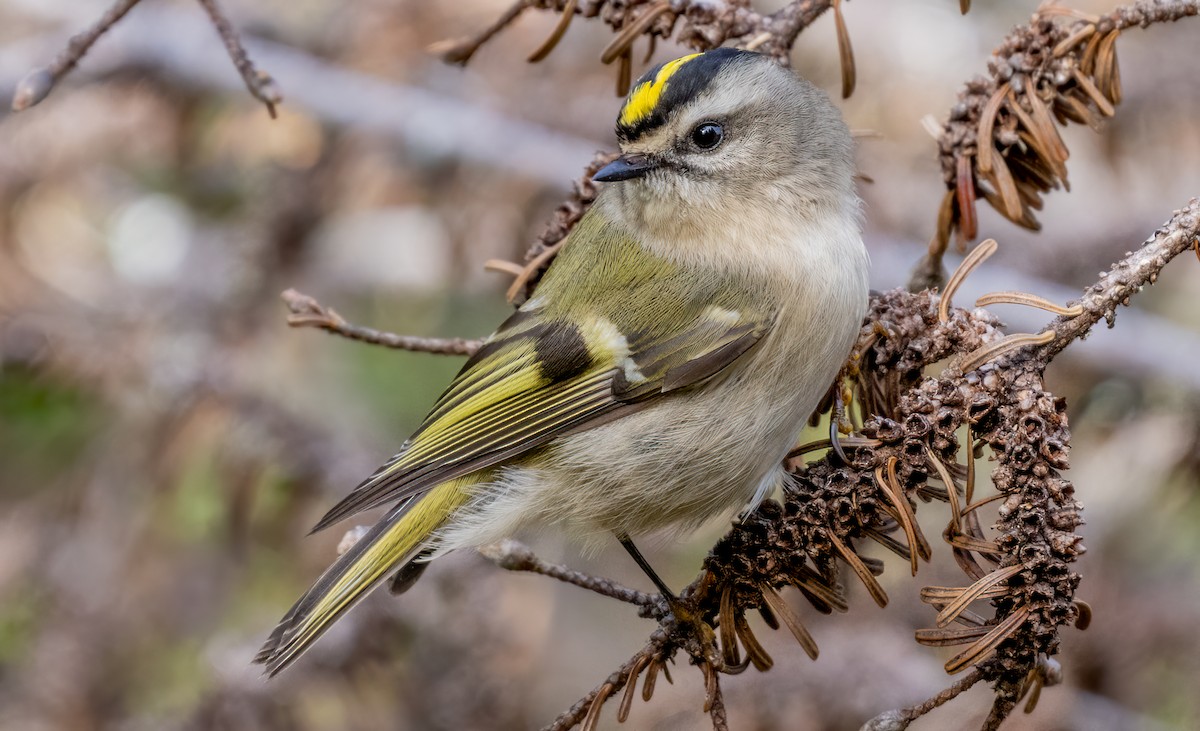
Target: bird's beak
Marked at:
625, 167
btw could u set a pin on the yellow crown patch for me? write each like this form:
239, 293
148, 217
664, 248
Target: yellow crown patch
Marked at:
645, 95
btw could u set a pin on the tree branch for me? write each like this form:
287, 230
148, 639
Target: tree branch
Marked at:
515, 556
786, 24
900, 718
163, 41
1127, 277
698, 24
38, 83
716, 705
649, 658
308, 312
259, 83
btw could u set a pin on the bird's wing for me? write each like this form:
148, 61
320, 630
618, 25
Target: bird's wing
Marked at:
538, 378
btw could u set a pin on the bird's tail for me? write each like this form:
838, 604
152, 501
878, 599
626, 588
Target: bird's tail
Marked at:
390, 542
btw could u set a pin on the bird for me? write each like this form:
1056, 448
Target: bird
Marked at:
668, 359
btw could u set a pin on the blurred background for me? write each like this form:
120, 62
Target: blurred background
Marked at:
166, 441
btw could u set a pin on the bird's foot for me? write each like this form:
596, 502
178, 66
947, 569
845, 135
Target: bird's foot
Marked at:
686, 627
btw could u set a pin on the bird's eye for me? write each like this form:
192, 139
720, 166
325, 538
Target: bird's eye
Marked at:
708, 135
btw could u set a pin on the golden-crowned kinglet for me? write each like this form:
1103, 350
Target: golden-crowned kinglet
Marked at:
671, 353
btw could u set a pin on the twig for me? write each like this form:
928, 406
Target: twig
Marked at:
260, 84
1127, 277
716, 706
1145, 12
698, 24
900, 718
516, 556
38, 83
161, 41
1000, 710
308, 312
459, 51
627, 673
785, 24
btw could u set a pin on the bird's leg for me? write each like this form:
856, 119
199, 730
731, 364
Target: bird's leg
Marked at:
696, 636
835, 418
645, 566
